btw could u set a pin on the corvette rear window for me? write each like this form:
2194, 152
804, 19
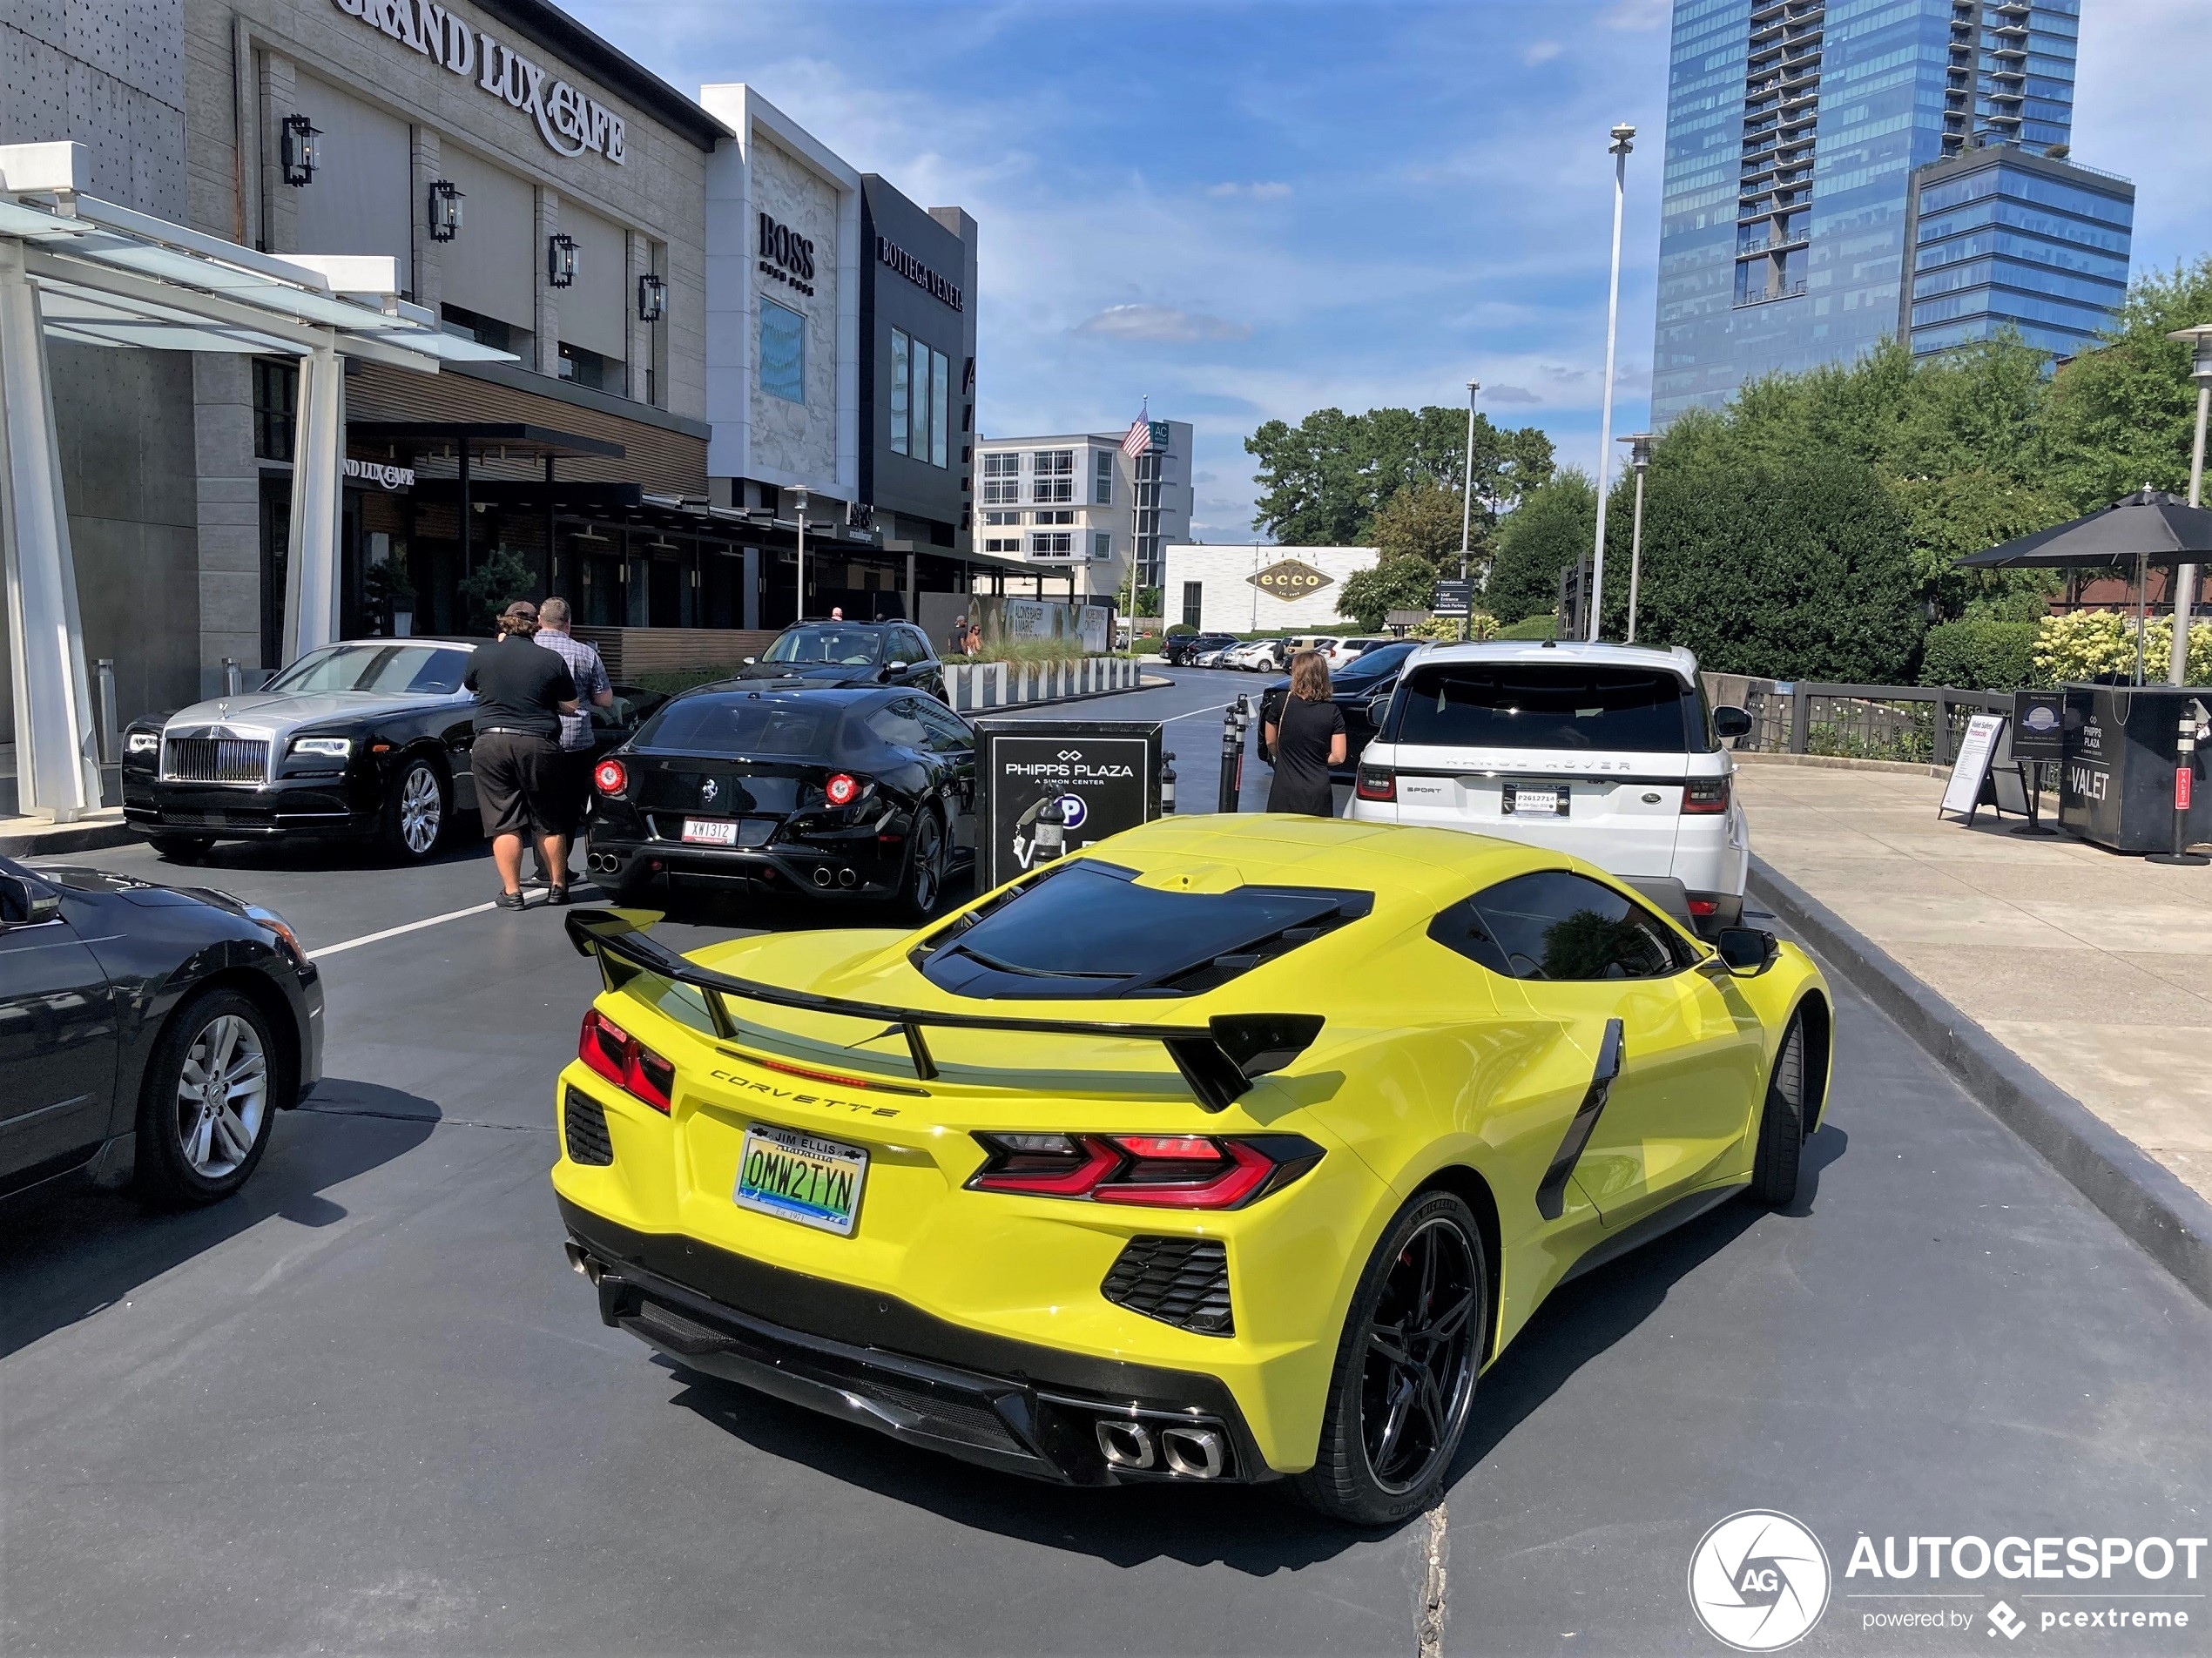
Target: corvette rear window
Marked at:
741, 725
1086, 929
1467, 704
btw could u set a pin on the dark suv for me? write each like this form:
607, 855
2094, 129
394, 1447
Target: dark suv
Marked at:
817, 654
1183, 646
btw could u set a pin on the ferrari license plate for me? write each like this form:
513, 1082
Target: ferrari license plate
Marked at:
710, 832
799, 1177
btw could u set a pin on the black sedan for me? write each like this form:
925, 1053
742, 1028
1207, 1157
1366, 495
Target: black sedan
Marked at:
1373, 673
816, 654
1181, 648
841, 793
363, 740
148, 1035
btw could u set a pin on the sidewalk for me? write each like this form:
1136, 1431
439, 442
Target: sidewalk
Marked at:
2095, 968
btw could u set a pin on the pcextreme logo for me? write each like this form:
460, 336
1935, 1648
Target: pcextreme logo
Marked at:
1758, 1581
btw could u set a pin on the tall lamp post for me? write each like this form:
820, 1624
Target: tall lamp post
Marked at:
1639, 458
799, 504
2177, 666
1466, 505
1623, 141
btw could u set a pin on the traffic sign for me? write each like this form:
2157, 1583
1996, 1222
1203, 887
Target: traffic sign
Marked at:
1452, 598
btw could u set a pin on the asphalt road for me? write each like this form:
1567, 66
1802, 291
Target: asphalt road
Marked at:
366, 1407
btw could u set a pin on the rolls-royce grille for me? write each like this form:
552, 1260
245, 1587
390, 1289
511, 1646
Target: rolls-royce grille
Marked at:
1177, 1280
215, 760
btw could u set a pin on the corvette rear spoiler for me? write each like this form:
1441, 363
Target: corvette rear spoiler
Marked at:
1219, 1059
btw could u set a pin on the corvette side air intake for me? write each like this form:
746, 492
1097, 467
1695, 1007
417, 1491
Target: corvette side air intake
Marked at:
1219, 1060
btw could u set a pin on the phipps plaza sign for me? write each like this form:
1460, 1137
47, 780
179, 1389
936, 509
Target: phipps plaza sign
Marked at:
569, 121
1290, 578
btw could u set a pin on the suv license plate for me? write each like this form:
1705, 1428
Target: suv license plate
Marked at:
800, 1178
1528, 802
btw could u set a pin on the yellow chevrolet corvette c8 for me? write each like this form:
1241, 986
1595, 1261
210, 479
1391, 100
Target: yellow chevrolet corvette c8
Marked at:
1233, 1148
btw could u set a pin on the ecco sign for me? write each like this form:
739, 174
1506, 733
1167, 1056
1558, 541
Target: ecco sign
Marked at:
787, 255
889, 252
1291, 578
571, 122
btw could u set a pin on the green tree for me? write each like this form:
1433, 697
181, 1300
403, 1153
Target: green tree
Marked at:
1422, 521
1948, 517
1322, 480
2123, 415
491, 587
1402, 583
1790, 571
1552, 527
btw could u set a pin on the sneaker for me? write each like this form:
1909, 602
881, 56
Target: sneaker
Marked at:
556, 895
512, 901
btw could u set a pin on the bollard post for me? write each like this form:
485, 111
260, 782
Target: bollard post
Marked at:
1232, 761
2184, 785
1049, 837
107, 738
1167, 784
233, 677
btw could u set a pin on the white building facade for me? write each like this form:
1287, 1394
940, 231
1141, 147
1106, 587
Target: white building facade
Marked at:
1077, 505
1250, 588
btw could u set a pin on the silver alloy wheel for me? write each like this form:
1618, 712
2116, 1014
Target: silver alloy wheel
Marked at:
421, 812
222, 1096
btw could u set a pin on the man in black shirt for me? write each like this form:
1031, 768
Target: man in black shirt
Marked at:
522, 692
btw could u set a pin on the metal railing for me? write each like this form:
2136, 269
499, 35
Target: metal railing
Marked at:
1918, 723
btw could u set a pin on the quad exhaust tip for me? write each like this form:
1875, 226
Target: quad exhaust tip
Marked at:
1194, 1452
581, 1262
845, 878
821, 875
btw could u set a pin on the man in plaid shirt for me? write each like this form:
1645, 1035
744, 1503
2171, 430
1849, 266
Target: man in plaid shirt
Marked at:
593, 689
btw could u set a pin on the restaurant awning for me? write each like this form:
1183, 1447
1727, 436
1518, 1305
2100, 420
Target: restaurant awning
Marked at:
76, 268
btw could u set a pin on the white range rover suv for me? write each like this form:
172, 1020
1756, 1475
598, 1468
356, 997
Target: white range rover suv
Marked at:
1604, 750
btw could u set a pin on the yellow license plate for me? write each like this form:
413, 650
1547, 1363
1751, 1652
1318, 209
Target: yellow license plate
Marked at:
801, 1177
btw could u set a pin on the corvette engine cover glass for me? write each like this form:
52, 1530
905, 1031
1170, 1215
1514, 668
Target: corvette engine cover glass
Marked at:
1533, 705
1091, 931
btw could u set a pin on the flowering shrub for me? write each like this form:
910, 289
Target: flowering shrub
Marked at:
2089, 642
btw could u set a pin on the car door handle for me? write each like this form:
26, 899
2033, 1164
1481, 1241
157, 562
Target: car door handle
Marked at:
1551, 1192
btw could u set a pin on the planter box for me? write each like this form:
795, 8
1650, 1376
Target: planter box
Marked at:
976, 687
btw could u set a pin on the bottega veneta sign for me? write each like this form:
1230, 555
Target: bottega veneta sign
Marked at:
1290, 578
918, 273
571, 122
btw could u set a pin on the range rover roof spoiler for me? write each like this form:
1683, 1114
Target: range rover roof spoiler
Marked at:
1219, 1059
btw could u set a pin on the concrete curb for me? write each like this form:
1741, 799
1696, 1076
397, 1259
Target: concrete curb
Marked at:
89, 837
2141, 1196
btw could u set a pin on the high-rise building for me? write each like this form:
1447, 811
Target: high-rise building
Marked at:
1795, 129
1080, 505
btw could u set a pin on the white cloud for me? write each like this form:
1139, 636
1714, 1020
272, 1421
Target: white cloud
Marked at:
1160, 323
1509, 395
1541, 51
1636, 15
1261, 191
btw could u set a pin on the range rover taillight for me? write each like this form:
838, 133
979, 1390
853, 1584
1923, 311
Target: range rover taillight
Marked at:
1705, 795
1376, 783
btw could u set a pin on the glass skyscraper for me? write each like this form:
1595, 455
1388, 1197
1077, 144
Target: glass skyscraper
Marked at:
1794, 132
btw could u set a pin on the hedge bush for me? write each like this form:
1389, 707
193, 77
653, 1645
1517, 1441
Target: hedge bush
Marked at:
1975, 654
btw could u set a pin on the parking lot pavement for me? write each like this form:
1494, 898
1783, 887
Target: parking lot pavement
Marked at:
366, 1406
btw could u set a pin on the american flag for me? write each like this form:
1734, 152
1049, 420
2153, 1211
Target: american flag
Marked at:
1139, 441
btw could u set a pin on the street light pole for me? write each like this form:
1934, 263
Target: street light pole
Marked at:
1639, 458
799, 502
1467, 507
2177, 662
1623, 141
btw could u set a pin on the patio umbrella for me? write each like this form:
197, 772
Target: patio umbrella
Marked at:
2150, 527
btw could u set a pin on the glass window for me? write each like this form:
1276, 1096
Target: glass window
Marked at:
414, 670
1102, 546
949, 732
783, 352
1056, 544
900, 350
1554, 925
855, 647
899, 725
1101, 489
1194, 602
940, 396
1086, 929
1538, 706
742, 725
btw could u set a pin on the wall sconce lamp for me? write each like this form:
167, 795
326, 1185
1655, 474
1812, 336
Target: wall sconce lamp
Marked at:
301, 153
560, 261
653, 298
445, 209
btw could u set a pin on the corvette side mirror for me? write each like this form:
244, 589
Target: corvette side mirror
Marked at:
22, 904
1749, 951
1731, 722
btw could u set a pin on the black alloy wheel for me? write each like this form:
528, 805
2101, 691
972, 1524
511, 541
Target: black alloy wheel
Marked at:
416, 809
183, 849
1404, 1382
923, 882
1782, 1121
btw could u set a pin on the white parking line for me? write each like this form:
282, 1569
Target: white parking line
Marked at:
395, 932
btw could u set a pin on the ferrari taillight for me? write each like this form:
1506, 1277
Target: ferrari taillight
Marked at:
613, 1052
610, 777
1156, 1171
842, 789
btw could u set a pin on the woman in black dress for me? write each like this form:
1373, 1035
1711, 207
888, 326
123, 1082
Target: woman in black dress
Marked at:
1307, 738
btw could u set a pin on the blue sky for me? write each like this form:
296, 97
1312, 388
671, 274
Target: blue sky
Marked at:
1255, 210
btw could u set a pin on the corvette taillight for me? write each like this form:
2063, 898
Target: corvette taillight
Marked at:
610, 777
613, 1052
1703, 795
1157, 1171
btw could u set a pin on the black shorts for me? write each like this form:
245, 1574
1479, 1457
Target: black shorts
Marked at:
522, 784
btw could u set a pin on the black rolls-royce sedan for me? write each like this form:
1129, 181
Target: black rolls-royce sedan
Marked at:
839, 794
364, 740
148, 1035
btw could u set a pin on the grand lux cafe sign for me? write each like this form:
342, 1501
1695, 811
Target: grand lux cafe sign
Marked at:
571, 122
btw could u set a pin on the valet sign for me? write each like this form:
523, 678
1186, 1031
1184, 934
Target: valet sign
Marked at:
1102, 777
571, 122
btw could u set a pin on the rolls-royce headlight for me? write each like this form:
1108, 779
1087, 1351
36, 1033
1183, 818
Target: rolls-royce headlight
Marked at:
142, 742
335, 748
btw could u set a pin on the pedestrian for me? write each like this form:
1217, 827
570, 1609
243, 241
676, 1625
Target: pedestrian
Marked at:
837, 613
522, 692
956, 641
1307, 739
592, 687
972, 643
